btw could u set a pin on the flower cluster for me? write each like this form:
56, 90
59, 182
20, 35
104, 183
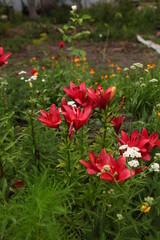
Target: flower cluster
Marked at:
76, 113
107, 168
87, 99
135, 146
96, 98
138, 145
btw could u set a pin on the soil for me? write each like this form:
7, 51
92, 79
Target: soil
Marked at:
120, 53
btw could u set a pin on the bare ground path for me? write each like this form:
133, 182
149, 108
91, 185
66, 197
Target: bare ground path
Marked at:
121, 53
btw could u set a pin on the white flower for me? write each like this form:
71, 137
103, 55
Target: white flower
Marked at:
74, 8
111, 191
100, 35
143, 85
153, 80
119, 216
43, 80
22, 78
133, 67
136, 149
125, 146
132, 152
138, 65
154, 167
133, 163
72, 103
105, 168
33, 78
22, 72
125, 69
149, 200
146, 70
98, 174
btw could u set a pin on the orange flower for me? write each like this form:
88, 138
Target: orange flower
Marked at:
108, 60
34, 58
78, 79
112, 64
36, 73
53, 57
145, 208
84, 59
106, 76
43, 67
102, 77
159, 114
118, 69
77, 65
96, 83
92, 71
76, 59
127, 76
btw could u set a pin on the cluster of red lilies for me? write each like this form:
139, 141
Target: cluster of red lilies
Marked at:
76, 117
108, 169
136, 146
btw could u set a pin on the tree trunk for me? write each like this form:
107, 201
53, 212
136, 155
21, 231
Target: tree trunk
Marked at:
32, 10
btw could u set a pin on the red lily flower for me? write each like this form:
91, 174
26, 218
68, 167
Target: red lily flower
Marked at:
92, 165
63, 102
4, 57
51, 119
76, 117
117, 122
78, 94
134, 141
61, 44
117, 170
100, 98
107, 167
153, 139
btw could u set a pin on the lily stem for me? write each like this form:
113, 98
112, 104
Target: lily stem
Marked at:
68, 155
105, 130
36, 152
82, 142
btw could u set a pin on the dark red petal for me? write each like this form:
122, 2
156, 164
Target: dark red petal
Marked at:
18, 184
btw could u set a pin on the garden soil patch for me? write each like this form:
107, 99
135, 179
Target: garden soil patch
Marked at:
121, 53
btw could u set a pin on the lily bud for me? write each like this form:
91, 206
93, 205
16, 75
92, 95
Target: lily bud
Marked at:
113, 93
30, 85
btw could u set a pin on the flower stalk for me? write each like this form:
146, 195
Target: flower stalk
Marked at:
36, 151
